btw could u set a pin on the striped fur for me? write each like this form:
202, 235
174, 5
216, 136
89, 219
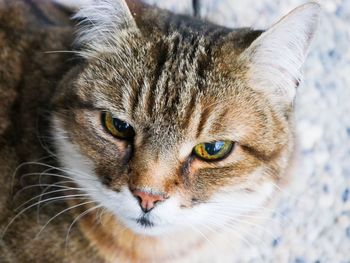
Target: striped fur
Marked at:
177, 81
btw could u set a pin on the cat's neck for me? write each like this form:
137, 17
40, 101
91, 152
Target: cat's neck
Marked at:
116, 243
119, 244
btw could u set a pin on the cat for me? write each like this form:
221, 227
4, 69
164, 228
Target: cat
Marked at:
162, 135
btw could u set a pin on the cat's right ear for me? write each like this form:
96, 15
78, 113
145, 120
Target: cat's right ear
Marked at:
103, 23
275, 58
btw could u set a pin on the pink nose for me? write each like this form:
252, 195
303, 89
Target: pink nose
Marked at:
147, 200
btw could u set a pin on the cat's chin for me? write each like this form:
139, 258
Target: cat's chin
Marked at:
142, 226
145, 226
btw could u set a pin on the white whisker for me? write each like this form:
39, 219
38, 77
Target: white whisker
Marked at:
78, 218
60, 213
29, 207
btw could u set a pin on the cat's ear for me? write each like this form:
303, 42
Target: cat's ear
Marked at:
101, 22
275, 58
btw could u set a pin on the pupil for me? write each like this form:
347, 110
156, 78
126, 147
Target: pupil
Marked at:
120, 125
214, 148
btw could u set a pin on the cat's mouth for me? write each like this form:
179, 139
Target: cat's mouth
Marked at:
144, 221
146, 225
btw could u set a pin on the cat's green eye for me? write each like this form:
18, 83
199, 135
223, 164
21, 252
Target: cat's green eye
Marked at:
117, 127
213, 151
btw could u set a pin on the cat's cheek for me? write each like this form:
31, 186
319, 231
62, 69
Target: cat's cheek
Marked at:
225, 208
233, 199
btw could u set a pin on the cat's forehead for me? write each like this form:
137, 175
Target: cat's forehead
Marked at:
169, 86
166, 76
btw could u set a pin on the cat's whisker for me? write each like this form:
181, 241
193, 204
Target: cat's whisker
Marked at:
43, 143
287, 193
57, 185
41, 174
238, 208
235, 217
224, 203
203, 235
235, 231
24, 177
48, 187
249, 223
78, 218
243, 215
29, 207
63, 200
59, 176
40, 197
60, 213
284, 191
62, 51
260, 209
48, 193
17, 169
60, 184
101, 213
49, 199
43, 193
47, 148
67, 171
233, 220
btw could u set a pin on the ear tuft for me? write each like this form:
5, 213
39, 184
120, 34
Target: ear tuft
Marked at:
101, 22
275, 58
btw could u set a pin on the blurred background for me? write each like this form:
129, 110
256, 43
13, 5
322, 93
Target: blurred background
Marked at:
312, 221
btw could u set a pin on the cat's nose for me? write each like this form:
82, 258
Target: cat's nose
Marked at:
147, 200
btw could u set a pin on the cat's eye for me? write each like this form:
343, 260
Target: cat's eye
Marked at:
117, 127
213, 151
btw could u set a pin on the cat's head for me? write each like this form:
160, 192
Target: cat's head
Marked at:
172, 124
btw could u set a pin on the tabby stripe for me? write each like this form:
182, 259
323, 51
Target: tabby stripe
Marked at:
190, 111
136, 90
172, 68
203, 119
161, 55
194, 44
148, 98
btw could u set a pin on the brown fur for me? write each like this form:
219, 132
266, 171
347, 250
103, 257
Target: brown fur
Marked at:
177, 79
28, 77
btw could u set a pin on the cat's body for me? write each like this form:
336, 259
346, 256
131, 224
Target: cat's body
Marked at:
179, 82
27, 81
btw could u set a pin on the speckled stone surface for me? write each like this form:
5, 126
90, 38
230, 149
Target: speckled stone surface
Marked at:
312, 220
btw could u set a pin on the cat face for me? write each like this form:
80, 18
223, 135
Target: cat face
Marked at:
174, 130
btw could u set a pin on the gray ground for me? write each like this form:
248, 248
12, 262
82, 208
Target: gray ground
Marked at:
312, 222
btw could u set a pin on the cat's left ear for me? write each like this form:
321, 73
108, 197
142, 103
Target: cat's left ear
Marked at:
275, 58
102, 22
